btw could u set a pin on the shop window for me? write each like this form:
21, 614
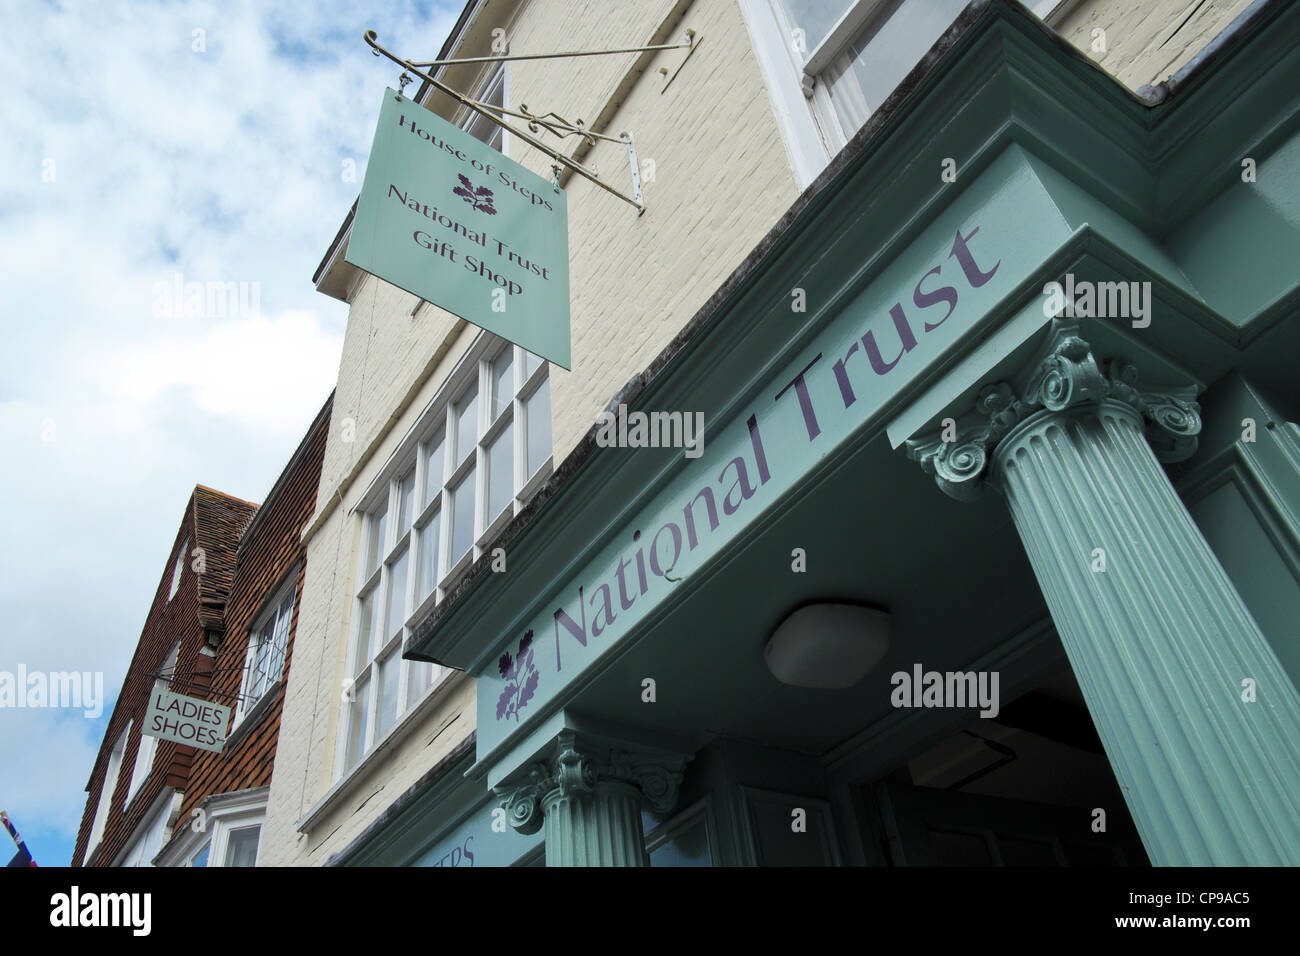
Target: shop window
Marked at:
472, 461
682, 841
268, 645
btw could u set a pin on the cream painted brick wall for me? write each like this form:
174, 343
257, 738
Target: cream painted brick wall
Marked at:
1149, 41
721, 181
304, 767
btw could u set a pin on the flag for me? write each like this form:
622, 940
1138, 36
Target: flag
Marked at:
23, 857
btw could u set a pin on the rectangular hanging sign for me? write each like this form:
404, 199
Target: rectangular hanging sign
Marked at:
187, 720
448, 218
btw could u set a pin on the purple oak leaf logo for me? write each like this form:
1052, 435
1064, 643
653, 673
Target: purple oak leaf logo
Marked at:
520, 675
480, 197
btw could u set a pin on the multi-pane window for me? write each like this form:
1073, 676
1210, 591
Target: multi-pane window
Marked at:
476, 455
148, 837
233, 843
830, 64
268, 643
854, 53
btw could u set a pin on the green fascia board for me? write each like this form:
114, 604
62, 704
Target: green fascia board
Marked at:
446, 821
997, 78
401, 834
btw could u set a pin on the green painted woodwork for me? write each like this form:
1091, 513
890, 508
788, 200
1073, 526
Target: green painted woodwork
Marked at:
1003, 220
599, 828
1158, 637
1079, 177
1243, 489
451, 821
1003, 81
586, 791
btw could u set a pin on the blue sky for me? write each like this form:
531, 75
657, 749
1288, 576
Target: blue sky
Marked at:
145, 141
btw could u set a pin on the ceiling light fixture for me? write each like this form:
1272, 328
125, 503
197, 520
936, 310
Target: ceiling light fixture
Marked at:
827, 645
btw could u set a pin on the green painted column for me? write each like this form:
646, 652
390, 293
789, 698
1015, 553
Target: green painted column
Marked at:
589, 795
600, 827
1162, 645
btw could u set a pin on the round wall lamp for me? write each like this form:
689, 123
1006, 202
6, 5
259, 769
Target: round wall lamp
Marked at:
827, 645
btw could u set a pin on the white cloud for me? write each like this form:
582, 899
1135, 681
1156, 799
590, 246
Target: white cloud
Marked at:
266, 372
129, 158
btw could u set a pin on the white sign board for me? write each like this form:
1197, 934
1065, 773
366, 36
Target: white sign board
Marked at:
187, 720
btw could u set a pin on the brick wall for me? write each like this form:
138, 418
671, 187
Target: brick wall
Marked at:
270, 549
212, 521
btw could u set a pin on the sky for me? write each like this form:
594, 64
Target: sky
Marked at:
146, 144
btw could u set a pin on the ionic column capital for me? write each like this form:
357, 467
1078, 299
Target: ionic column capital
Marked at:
578, 766
1066, 375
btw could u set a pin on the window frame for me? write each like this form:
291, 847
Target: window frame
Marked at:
159, 820
435, 428
148, 745
809, 124
861, 16
285, 593
496, 82
178, 570
112, 775
221, 815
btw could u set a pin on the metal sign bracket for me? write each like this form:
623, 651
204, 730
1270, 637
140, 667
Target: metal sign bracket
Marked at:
536, 122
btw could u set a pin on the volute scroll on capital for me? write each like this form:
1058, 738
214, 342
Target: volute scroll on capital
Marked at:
579, 767
1067, 377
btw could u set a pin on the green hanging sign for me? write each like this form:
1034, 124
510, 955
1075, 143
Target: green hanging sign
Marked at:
451, 220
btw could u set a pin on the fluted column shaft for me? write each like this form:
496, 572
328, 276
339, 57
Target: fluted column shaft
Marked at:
1159, 640
588, 792
598, 828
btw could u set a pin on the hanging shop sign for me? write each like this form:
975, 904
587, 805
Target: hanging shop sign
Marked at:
451, 220
187, 720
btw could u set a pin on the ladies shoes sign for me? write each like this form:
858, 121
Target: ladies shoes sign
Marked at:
187, 720
451, 220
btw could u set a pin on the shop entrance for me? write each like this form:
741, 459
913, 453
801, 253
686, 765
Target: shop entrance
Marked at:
1030, 788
